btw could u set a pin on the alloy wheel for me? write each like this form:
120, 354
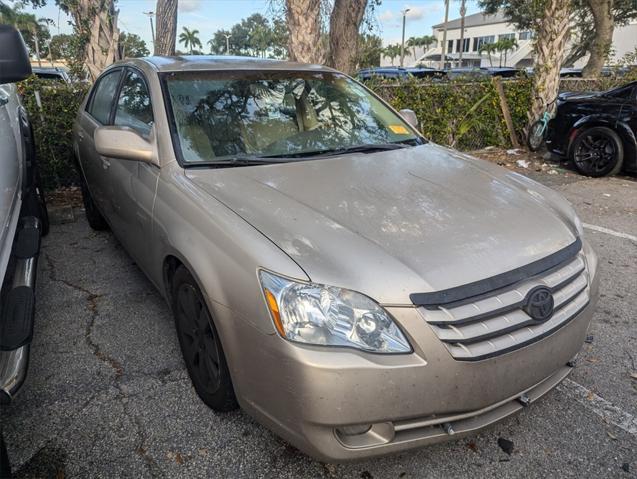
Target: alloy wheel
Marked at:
595, 154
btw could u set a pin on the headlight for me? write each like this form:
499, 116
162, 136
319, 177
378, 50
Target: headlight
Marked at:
328, 316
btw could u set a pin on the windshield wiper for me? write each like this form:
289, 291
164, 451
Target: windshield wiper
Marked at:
373, 148
246, 160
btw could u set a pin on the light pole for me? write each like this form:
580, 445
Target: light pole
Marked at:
150, 16
227, 35
402, 45
443, 54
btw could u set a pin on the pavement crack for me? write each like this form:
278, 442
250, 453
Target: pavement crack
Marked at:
92, 299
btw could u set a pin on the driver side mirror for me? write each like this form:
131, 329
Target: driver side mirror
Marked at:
14, 59
409, 116
124, 143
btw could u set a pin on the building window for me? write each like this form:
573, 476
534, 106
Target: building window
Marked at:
506, 36
526, 35
466, 42
479, 41
450, 46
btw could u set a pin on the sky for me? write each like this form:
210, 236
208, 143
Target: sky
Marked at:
207, 16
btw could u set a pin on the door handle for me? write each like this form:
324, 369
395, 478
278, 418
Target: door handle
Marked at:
105, 163
80, 134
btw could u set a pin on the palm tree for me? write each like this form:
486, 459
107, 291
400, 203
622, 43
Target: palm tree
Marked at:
413, 42
190, 39
392, 51
505, 46
488, 48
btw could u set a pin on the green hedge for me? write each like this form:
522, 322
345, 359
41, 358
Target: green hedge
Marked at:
52, 126
464, 115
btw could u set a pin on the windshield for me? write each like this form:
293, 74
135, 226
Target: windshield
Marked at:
220, 115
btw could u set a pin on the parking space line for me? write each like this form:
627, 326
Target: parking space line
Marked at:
600, 406
608, 231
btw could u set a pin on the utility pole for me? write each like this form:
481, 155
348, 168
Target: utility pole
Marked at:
402, 44
227, 35
150, 16
463, 12
37, 45
443, 54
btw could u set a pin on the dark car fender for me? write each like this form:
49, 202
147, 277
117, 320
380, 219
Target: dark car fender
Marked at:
622, 129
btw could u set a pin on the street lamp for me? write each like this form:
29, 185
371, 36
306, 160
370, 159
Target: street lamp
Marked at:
402, 45
150, 16
227, 35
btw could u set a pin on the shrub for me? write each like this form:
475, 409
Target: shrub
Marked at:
462, 114
52, 126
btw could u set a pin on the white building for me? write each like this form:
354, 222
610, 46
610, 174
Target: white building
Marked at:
480, 29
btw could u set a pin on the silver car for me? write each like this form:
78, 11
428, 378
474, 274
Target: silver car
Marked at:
355, 288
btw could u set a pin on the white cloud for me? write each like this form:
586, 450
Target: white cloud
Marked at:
189, 5
386, 16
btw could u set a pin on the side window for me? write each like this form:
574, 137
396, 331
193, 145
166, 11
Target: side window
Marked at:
133, 106
100, 106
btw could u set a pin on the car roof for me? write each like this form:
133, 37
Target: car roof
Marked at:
219, 62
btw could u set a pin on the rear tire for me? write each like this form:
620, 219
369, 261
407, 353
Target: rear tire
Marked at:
95, 219
535, 138
200, 344
597, 152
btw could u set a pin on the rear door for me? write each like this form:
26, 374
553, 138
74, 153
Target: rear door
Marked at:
98, 112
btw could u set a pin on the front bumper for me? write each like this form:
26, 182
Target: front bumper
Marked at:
308, 394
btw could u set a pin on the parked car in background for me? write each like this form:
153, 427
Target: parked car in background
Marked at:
357, 289
23, 220
400, 73
384, 73
426, 72
596, 131
571, 73
505, 72
467, 73
53, 73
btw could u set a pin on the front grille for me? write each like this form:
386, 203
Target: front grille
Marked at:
495, 322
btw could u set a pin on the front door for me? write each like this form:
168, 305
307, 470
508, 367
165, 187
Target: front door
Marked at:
132, 184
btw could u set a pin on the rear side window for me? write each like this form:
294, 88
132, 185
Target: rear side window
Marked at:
102, 102
133, 106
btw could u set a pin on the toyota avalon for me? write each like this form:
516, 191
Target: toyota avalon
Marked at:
356, 288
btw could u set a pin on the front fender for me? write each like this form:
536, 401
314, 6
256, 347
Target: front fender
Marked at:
222, 251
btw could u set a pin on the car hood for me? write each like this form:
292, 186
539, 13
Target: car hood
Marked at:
393, 223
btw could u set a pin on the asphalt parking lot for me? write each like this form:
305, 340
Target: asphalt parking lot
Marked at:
108, 395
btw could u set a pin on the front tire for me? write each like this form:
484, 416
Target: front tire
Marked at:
597, 152
200, 344
535, 137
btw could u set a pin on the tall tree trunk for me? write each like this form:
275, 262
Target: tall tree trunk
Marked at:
304, 24
96, 22
166, 25
604, 22
345, 23
549, 53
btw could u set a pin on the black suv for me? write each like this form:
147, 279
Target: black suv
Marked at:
597, 131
